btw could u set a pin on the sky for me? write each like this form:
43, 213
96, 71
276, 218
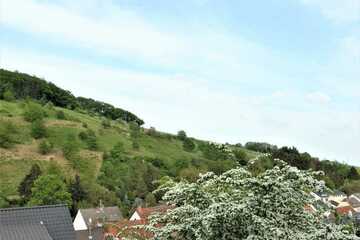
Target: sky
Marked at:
285, 72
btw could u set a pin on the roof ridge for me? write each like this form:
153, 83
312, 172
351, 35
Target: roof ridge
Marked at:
33, 207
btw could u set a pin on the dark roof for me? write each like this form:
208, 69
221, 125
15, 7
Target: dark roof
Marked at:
97, 215
24, 232
46, 223
96, 233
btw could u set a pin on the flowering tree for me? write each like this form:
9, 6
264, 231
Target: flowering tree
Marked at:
238, 205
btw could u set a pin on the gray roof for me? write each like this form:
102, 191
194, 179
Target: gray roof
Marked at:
96, 234
98, 215
354, 202
38, 223
24, 232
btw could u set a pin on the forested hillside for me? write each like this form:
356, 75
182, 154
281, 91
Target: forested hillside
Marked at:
22, 86
92, 151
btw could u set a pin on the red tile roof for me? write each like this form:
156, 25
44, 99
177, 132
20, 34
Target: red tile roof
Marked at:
345, 210
144, 213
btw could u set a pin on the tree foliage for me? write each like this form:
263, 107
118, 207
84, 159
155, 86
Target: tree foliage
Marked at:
7, 130
33, 112
24, 86
45, 147
239, 205
8, 95
188, 145
48, 190
38, 129
181, 135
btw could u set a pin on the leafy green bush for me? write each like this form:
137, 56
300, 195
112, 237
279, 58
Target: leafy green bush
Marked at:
181, 135
71, 147
45, 147
33, 112
8, 96
38, 129
60, 115
188, 145
241, 157
106, 123
89, 137
49, 190
7, 129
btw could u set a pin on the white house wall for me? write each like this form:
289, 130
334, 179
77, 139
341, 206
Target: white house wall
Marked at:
79, 222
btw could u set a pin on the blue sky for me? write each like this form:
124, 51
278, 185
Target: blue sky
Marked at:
281, 71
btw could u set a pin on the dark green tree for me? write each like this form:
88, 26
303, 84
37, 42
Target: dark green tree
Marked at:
38, 129
76, 189
60, 115
353, 174
240, 156
71, 147
7, 129
181, 135
188, 145
49, 190
27, 183
117, 151
33, 112
45, 147
150, 200
8, 96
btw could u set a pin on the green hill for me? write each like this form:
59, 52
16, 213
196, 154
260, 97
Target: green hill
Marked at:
117, 160
154, 155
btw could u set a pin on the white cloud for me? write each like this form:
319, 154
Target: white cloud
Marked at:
338, 11
318, 97
118, 32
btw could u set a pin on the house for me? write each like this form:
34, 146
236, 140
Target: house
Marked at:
128, 229
344, 208
36, 223
142, 214
94, 234
95, 217
354, 201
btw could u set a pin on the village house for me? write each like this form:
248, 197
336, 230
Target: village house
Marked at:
36, 223
89, 223
134, 226
142, 214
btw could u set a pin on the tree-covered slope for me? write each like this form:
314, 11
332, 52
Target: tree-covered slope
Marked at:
23, 86
117, 161
101, 152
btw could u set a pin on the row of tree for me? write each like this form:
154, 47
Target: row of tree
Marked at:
337, 175
15, 85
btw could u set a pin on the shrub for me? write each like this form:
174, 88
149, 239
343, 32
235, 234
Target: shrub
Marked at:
60, 115
181, 135
241, 157
188, 145
8, 96
33, 112
38, 129
7, 129
135, 144
89, 137
45, 147
71, 147
106, 123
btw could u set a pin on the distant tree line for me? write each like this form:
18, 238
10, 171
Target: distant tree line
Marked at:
337, 175
15, 85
